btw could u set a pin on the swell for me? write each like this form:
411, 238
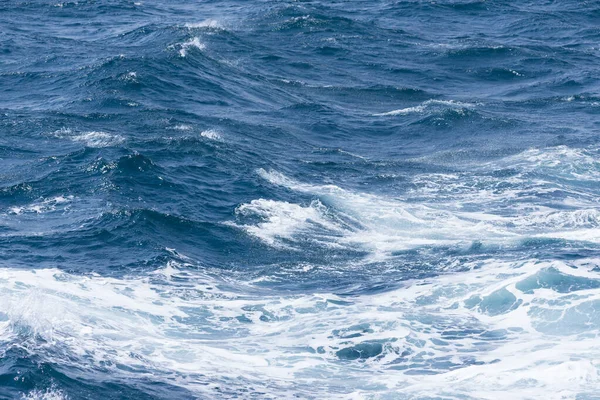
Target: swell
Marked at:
445, 328
366, 199
437, 212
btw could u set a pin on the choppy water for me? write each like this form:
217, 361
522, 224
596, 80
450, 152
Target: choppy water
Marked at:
299, 199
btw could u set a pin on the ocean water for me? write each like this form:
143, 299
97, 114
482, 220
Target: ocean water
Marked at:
299, 199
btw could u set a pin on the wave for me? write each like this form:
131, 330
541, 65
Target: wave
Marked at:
192, 43
430, 105
93, 139
438, 212
560, 161
182, 127
211, 134
385, 225
282, 221
299, 200
207, 24
48, 394
472, 329
45, 217
43, 206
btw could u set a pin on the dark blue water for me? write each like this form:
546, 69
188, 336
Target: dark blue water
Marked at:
299, 199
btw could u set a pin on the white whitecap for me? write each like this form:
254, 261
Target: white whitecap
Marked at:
48, 394
211, 134
283, 220
182, 127
429, 105
562, 161
96, 139
384, 225
408, 110
207, 23
42, 206
192, 43
432, 214
495, 329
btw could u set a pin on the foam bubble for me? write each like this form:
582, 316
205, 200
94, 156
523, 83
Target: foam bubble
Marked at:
560, 161
130, 77
402, 111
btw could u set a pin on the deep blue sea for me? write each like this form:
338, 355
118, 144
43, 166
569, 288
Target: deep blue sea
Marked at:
299, 199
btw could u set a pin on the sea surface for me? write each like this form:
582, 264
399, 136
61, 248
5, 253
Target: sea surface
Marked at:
299, 199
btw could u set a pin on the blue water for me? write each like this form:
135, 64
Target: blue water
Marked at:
299, 199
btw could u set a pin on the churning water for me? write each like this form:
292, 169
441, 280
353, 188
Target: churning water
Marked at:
299, 199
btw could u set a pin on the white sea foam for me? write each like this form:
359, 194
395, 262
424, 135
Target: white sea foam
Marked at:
495, 329
525, 301
42, 206
182, 127
108, 319
402, 111
429, 105
560, 161
48, 394
95, 139
192, 43
383, 225
130, 77
434, 212
98, 139
388, 224
282, 221
207, 23
211, 134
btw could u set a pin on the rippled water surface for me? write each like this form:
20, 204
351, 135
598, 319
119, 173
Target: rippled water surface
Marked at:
299, 199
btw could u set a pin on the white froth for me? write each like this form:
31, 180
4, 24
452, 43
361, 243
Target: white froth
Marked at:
560, 161
207, 23
456, 209
42, 206
429, 105
381, 225
497, 324
96, 139
282, 220
409, 110
496, 329
211, 134
182, 127
192, 43
48, 394
130, 77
